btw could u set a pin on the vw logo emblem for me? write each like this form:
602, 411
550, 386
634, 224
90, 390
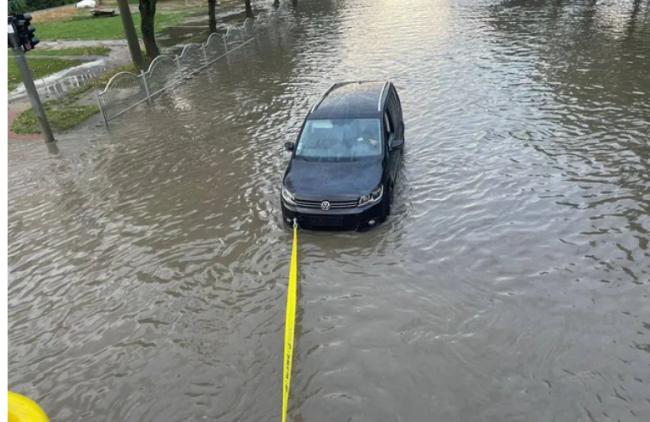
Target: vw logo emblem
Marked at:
325, 205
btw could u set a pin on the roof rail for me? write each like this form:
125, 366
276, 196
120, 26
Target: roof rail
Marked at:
381, 95
324, 95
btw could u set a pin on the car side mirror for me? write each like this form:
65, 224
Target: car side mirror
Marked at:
396, 143
289, 146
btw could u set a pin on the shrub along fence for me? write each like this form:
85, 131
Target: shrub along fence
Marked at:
126, 90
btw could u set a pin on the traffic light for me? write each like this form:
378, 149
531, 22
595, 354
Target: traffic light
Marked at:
22, 39
31, 36
24, 31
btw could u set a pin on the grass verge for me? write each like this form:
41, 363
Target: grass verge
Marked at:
60, 117
39, 68
72, 51
84, 27
46, 62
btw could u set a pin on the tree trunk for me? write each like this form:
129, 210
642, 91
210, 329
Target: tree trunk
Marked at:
276, 3
249, 9
131, 35
212, 18
147, 15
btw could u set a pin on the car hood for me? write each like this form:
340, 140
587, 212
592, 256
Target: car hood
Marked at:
332, 180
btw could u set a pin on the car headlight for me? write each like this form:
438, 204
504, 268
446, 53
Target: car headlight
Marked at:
372, 197
288, 196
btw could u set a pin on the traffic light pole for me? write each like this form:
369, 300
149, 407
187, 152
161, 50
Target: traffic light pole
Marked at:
26, 74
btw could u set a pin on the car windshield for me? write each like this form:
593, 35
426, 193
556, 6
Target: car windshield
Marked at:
340, 139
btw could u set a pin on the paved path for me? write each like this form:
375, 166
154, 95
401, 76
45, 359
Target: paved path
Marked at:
80, 58
82, 43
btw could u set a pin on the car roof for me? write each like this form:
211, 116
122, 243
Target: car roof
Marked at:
354, 99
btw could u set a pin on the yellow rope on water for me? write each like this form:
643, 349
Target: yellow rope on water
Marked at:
290, 323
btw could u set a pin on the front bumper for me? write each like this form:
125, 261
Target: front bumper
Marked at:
333, 219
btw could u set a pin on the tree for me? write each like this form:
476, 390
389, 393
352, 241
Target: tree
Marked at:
17, 6
249, 9
212, 18
131, 35
276, 3
147, 15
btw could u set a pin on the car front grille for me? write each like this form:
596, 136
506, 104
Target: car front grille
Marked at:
333, 204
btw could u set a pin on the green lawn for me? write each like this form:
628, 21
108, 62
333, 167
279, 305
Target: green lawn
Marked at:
39, 68
89, 28
42, 65
61, 117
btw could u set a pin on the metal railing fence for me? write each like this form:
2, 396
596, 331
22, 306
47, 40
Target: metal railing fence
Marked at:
125, 90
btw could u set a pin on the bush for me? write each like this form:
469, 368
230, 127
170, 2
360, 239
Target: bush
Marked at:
17, 6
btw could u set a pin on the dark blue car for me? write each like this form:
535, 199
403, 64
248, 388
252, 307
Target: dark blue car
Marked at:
343, 168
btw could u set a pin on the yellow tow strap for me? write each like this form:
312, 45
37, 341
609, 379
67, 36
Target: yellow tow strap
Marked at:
290, 323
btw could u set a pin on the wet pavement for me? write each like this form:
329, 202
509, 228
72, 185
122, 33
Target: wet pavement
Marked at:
148, 265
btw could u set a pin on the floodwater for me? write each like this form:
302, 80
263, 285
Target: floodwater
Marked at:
148, 265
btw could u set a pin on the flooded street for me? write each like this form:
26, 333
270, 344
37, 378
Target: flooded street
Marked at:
148, 265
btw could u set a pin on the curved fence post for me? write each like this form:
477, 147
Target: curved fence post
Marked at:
162, 73
205, 55
225, 44
215, 47
146, 86
101, 110
122, 92
178, 65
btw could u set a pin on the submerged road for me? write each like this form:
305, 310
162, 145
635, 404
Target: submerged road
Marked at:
148, 265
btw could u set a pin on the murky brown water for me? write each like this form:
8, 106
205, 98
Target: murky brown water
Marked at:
148, 267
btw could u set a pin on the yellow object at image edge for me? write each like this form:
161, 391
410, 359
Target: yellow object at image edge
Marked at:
24, 409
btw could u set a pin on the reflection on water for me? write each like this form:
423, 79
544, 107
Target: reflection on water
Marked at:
148, 265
